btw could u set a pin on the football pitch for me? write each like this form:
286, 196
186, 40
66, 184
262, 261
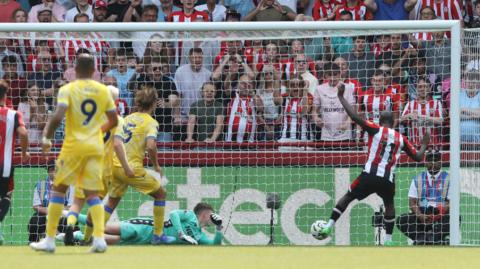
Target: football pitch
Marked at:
231, 257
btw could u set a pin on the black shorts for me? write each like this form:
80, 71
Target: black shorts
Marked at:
366, 184
6, 186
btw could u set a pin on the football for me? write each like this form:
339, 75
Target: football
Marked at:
316, 229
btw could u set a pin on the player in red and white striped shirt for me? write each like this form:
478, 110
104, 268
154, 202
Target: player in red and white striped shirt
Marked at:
384, 147
11, 125
422, 114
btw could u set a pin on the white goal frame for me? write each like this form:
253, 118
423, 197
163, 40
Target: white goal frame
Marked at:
434, 25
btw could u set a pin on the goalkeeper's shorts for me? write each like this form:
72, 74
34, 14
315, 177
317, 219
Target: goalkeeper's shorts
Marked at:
142, 182
135, 234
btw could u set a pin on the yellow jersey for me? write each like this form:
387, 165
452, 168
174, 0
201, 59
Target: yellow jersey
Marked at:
137, 128
109, 152
86, 101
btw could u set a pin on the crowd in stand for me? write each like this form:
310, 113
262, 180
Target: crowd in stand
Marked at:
249, 90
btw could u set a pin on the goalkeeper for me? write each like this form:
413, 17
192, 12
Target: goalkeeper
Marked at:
186, 226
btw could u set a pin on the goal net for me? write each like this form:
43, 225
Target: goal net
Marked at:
247, 111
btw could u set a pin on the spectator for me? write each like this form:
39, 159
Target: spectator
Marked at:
216, 12
292, 4
5, 52
328, 113
349, 82
167, 111
388, 10
426, 13
70, 74
118, 9
428, 222
232, 16
21, 43
269, 100
7, 8
122, 106
302, 70
227, 75
241, 6
382, 44
242, 113
100, 11
81, 7
210, 48
271, 57
188, 14
189, 79
323, 10
315, 48
57, 12
48, 46
231, 47
254, 52
148, 13
288, 65
444, 9
122, 74
165, 9
19, 16
306, 7
15, 82
34, 111
155, 50
377, 100
423, 114
473, 21
437, 53
295, 110
207, 116
360, 62
270, 10
415, 70
342, 44
355, 7
139, 44
394, 53
470, 106
392, 87
41, 198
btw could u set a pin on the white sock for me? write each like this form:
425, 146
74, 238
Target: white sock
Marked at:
330, 223
388, 237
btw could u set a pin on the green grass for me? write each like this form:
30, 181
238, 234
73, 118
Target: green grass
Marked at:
230, 257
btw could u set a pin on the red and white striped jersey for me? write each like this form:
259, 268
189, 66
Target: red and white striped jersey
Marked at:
294, 124
423, 36
92, 42
359, 12
445, 9
289, 69
253, 57
373, 105
377, 49
322, 11
384, 148
417, 129
10, 120
399, 95
241, 120
180, 16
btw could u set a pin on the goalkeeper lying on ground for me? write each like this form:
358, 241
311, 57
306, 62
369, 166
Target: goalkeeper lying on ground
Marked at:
185, 225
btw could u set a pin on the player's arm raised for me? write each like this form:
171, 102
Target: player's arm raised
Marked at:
348, 108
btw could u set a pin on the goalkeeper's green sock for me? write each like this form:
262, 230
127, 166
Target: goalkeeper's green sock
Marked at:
98, 216
55, 208
158, 214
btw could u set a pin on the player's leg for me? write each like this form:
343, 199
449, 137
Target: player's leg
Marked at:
55, 208
6, 190
89, 226
72, 216
147, 184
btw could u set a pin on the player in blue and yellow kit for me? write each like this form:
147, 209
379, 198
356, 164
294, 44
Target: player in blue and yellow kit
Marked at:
84, 103
139, 134
186, 226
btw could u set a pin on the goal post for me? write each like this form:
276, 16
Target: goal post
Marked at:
236, 177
